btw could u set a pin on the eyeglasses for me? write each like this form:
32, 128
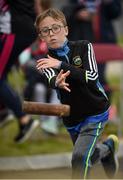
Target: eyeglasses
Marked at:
46, 31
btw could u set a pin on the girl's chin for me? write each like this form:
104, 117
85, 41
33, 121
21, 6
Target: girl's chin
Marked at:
55, 46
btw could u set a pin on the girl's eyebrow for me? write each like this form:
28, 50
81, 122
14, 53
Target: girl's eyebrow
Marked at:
50, 26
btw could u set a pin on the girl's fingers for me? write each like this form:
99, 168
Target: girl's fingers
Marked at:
63, 75
66, 84
43, 67
67, 89
42, 64
40, 60
59, 75
49, 56
66, 74
39, 64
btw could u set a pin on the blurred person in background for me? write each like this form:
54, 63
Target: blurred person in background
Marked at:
107, 12
16, 33
36, 88
79, 15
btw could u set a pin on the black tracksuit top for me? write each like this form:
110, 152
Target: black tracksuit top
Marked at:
87, 97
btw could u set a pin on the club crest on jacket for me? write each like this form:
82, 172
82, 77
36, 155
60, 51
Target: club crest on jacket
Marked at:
77, 61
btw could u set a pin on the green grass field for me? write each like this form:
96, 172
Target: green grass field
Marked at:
38, 143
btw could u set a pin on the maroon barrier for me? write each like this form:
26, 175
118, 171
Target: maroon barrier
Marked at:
108, 52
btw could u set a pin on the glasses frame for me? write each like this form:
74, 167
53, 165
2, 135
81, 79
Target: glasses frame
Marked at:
51, 29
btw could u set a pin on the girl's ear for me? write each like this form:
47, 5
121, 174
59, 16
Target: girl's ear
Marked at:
39, 36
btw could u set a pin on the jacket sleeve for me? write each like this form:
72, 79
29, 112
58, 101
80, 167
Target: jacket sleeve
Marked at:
51, 75
88, 73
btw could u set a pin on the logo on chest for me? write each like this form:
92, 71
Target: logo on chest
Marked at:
77, 61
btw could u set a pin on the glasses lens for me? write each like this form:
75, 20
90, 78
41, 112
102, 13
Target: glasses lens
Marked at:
44, 32
56, 28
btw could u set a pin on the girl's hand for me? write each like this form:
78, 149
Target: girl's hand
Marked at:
60, 80
48, 63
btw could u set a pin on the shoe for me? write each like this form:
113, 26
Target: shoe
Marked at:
110, 162
5, 117
26, 131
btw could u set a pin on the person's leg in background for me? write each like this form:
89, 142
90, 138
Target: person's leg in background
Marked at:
6, 115
13, 102
7, 94
31, 80
49, 124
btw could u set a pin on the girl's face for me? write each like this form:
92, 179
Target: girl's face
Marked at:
53, 32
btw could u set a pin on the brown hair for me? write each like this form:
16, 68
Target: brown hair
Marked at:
54, 13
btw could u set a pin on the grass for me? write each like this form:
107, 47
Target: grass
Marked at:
37, 144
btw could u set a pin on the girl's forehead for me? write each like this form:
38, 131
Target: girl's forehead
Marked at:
49, 20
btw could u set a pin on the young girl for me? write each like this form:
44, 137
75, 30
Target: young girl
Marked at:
70, 68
